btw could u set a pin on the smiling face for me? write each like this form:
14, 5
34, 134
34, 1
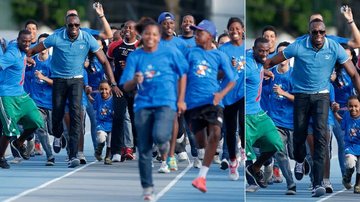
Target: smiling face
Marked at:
24, 42
151, 37
271, 36
186, 22
129, 31
354, 107
261, 51
105, 90
236, 31
317, 34
33, 29
73, 26
168, 27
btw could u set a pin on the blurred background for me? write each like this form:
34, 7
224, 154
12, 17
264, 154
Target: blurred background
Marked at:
290, 17
50, 13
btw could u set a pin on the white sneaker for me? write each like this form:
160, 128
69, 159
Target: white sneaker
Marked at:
182, 156
164, 168
81, 157
252, 188
30, 147
16, 160
116, 158
197, 162
216, 159
233, 171
201, 153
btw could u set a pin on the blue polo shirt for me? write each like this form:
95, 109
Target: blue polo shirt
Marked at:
177, 43
12, 71
313, 68
351, 126
41, 91
236, 53
69, 57
253, 80
161, 70
202, 81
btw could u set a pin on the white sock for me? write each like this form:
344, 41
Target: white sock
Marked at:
203, 171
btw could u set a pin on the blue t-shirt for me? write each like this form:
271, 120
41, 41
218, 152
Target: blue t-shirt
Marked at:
236, 53
280, 108
161, 70
12, 71
28, 74
104, 113
313, 68
190, 41
351, 126
253, 84
202, 81
69, 57
265, 102
41, 90
176, 42
96, 74
344, 90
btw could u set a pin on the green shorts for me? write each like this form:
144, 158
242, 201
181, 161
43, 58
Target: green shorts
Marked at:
21, 110
261, 132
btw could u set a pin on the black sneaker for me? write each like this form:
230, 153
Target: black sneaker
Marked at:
224, 164
50, 162
73, 162
3, 163
57, 144
19, 150
318, 191
257, 177
299, 170
291, 190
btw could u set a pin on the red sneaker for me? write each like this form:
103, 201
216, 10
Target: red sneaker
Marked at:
129, 154
200, 184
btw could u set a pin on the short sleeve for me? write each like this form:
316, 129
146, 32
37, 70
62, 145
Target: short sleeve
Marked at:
342, 57
94, 46
50, 41
181, 64
290, 51
8, 59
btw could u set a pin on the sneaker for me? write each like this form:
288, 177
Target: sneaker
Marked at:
257, 177
276, 175
252, 188
216, 159
233, 171
318, 191
74, 162
129, 154
200, 184
148, 194
346, 181
299, 170
327, 185
182, 156
20, 150
201, 153
171, 162
16, 160
3, 163
164, 168
291, 190
197, 163
82, 158
116, 158
107, 161
50, 161
38, 149
57, 144
356, 189
224, 164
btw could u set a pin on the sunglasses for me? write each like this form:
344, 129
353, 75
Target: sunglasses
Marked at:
316, 32
73, 25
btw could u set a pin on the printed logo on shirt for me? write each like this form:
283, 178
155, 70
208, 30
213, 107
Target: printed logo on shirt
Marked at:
238, 63
327, 57
202, 69
82, 46
104, 111
150, 73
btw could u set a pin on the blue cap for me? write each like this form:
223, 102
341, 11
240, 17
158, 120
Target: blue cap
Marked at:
165, 16
205, 25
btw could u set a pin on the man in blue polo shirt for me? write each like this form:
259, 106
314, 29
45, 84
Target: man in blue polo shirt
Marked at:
71, 47
315, 57
16, 106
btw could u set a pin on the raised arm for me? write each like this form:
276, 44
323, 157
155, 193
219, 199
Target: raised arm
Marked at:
107, 33
108, 71
354, 42
37, 49
274, 60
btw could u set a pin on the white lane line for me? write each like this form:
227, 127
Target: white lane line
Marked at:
173, 182
47, 183
331, 195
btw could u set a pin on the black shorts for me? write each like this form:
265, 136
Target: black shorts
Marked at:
200, 117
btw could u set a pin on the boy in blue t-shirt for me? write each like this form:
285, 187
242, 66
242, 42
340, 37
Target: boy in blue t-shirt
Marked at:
203, 98
351, 125
104, 117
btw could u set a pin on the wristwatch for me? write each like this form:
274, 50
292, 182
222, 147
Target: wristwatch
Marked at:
113, 84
